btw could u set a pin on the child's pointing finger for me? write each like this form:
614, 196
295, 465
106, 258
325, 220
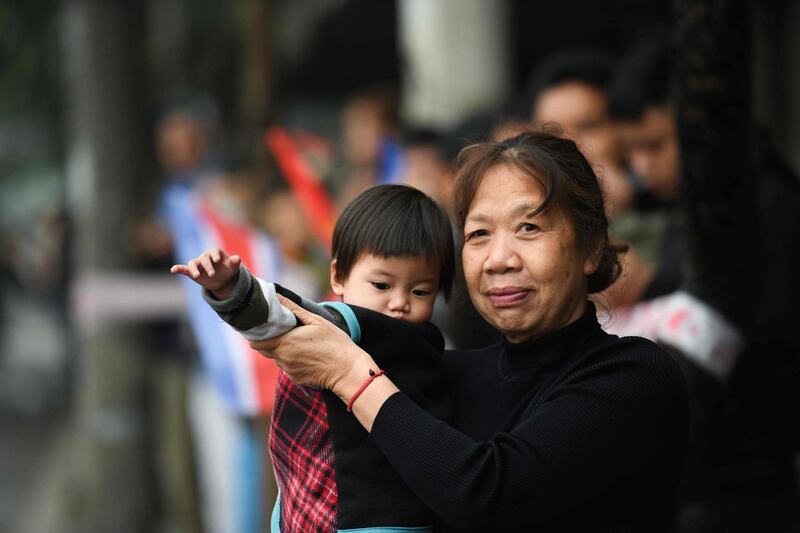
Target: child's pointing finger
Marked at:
205, 260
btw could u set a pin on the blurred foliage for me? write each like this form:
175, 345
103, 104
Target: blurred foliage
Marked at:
30, 69
31, 110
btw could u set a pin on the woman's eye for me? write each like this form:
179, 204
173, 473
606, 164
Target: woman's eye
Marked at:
528, 227
380, 285
476, 234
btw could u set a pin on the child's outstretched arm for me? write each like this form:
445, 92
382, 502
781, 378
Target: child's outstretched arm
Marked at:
214, 270
249, 304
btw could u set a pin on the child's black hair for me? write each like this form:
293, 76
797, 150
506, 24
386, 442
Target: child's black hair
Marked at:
394, 221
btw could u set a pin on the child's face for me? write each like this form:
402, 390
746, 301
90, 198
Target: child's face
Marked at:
400, 287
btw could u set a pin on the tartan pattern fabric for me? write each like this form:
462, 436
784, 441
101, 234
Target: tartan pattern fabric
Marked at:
301, 449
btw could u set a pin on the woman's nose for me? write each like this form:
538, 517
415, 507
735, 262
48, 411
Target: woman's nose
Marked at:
501, 256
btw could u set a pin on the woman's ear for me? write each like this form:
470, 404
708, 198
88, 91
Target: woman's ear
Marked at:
336, 286
592, 261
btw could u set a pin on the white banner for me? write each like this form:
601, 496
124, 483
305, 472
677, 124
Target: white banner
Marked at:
680, 320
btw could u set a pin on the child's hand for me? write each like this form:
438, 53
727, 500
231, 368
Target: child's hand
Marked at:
214, 270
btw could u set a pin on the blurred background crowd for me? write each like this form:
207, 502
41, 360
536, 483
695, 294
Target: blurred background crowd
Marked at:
132, 133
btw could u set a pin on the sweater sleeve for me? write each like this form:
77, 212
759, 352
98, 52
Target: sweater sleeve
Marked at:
595, 431
253, 308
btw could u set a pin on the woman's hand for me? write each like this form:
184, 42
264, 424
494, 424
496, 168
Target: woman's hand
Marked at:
321, 355
317, 354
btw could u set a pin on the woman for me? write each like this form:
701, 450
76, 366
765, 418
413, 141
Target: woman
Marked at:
560, 426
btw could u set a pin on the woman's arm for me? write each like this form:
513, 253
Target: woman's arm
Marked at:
601, 436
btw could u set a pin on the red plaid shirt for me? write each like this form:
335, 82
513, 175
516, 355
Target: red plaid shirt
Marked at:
302, 452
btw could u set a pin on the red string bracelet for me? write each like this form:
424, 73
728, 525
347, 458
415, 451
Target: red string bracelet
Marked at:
370, 379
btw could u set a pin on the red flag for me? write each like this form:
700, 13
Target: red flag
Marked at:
306, 186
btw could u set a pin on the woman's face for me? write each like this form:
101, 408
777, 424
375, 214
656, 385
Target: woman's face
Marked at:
525, 274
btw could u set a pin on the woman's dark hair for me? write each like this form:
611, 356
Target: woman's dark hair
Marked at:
567, 179
394, 221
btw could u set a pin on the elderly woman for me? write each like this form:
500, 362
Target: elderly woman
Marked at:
560, 426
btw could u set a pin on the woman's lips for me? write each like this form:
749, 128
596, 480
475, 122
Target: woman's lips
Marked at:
507, 296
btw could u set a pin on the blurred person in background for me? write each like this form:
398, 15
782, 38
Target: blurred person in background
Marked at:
569, 88
741, 473
200, 205
641, 109
281, 215
185, 135
371, 149
182, 140
427, 166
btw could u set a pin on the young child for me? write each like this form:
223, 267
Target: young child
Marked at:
392, 253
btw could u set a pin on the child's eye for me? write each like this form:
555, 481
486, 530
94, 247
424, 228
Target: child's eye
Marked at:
380, 285
421, 292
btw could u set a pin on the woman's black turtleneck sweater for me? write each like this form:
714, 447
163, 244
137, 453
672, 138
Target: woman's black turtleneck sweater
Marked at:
577, 430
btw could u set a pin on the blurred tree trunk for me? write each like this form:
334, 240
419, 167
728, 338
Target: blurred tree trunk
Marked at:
108, 471
255, 84
167, 47
718, 181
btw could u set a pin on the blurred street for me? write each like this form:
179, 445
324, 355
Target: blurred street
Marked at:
32, 453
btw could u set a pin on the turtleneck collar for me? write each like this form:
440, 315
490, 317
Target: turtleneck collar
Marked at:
553, 347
